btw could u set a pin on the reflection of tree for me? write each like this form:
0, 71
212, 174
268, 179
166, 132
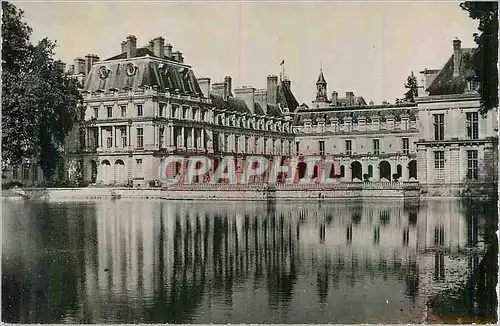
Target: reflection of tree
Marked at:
44, 284
476, 300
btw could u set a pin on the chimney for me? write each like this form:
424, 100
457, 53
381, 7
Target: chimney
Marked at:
79, 66
60, 65
247, 94
71, 69
228, 85
272, 89
168, 50
205, 86
457, 57
151, 46
159, 47
335, 97
349, 97
219, 89
130, 46
261, 97
88, 63
177, 56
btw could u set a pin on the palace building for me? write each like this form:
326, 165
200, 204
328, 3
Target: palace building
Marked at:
456, 143
367, 142
441, 140
146, 102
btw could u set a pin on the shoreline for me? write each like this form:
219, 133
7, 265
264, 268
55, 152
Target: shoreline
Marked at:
230, 193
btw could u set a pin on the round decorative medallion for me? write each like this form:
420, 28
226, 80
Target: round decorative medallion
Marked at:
103, 72
131, 69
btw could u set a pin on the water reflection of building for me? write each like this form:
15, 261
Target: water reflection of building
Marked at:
160, 261
169, 256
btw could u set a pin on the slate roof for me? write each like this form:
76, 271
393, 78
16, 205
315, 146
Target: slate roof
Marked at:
148, 72
140, 52
285, 96
233, 104
445, 83
321, 78
368, 113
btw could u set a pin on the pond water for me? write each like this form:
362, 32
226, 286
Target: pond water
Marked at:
130, 261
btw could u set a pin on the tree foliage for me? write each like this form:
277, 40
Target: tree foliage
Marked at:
412, 86
39, 102
486, 57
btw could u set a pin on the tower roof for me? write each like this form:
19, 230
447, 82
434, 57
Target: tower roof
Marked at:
321, 78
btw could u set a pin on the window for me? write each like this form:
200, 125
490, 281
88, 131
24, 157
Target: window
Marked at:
321, 148
162, 131
376, 146
472, 164
160, 110
82, 114
124, 111
297, 147
96, 113
138, 170
110, 111
406, 146
26, 171
438, 126
139, 110
348, 147
124, 137
109, 141
140, 138
472, 125
82, 139
439, 159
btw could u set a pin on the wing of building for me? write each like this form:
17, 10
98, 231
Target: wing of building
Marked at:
456, 144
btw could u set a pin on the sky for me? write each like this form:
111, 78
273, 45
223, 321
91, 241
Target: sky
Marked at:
368, 48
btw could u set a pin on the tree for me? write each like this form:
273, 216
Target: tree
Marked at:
39, 102
486, 56
412, 86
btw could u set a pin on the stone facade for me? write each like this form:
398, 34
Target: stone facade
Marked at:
146, 103
441, 140
456, 143
142, 105
367, 142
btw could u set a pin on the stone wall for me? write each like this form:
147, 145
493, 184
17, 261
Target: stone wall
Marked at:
235, 192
